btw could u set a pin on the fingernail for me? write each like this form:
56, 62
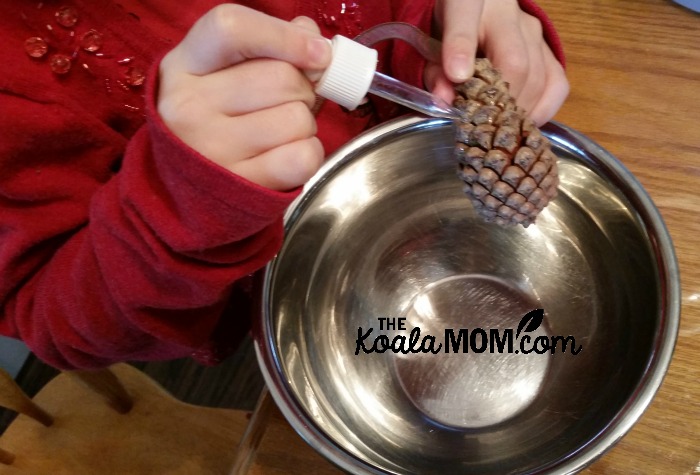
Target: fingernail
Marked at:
319, 50
459, 68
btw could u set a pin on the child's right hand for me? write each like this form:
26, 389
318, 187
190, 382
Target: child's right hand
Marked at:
234, 91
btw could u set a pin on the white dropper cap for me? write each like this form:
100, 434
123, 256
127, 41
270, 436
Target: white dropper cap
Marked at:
348, 78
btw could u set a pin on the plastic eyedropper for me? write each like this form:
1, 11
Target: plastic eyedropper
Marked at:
352, 74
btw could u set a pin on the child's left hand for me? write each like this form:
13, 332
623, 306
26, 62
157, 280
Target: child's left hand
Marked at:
514, 43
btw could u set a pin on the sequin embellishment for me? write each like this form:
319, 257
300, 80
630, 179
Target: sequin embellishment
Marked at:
340, 16
135, 76
60, 63
69, 49
36, 47
67, 16
91, 41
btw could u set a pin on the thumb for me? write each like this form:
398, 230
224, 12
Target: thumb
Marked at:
229, 34
460, 38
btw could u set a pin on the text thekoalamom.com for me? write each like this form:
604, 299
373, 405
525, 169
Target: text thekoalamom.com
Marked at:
464, 340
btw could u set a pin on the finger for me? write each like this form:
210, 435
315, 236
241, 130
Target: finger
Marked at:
227, 140
285, 167
263, 130
256, 84
460, 37
508, 52
555, 92
535, 83
437, 83
230, 33
307, 24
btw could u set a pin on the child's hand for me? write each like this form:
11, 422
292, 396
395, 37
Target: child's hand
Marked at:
233, 90
512, 40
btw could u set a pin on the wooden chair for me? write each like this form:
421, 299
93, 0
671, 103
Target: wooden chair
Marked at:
119, 421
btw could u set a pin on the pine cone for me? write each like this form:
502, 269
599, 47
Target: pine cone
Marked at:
507, 164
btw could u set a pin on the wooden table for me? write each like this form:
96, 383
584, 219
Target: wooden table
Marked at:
634, 68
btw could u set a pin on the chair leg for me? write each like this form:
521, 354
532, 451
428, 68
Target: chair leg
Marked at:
253, 435
12, 397
105, 383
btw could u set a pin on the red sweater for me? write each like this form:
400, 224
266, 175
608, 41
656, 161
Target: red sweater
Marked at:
117, 241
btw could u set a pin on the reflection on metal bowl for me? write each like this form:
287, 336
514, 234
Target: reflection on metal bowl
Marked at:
384, 232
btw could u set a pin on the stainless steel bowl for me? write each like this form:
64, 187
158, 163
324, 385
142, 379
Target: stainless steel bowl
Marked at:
384, 231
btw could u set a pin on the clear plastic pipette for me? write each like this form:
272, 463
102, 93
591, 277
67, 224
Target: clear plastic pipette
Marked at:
352, 74
412, 97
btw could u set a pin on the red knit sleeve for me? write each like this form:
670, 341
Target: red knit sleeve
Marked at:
98, 266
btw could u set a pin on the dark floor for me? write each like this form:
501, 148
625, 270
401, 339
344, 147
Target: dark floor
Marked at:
235, 383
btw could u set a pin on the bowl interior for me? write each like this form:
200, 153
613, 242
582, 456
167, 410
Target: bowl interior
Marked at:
386, 232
